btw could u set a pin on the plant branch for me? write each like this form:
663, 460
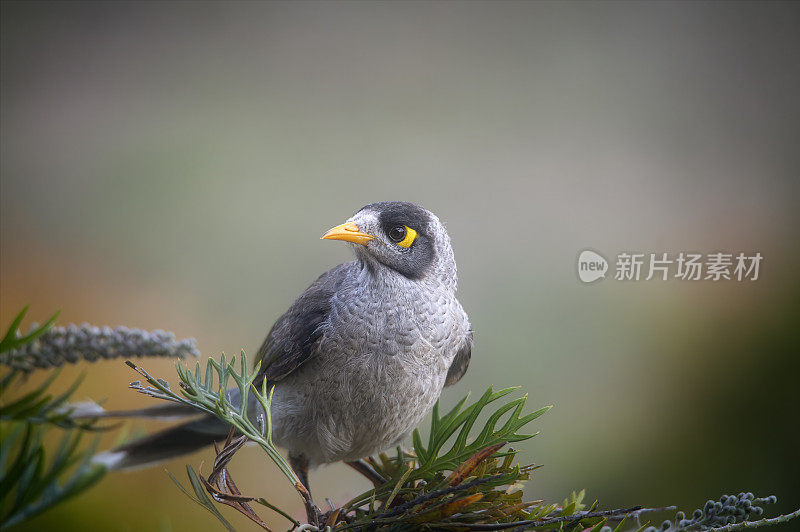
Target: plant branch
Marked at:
519, 526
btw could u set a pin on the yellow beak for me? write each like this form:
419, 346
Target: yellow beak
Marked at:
348, 232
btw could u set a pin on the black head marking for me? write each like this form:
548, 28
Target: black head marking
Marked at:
414, 261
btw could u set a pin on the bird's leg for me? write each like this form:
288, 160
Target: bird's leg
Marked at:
365, 469
299, 465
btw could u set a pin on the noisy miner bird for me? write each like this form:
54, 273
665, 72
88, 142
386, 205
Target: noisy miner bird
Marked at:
359, 358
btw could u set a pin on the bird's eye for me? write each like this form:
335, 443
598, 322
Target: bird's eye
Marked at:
397, 233
402, 235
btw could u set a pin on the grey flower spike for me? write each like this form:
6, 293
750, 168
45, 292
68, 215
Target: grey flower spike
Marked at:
73, 343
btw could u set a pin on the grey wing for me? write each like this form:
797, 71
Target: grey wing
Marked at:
461, 362
295, 336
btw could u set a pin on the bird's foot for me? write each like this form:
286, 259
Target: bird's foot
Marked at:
313, 514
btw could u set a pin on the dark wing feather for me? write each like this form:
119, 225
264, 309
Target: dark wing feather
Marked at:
295, 335
461, 362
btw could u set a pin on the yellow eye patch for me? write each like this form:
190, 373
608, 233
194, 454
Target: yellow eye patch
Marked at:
411, 235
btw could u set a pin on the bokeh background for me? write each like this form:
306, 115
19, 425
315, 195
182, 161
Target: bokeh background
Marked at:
172, 165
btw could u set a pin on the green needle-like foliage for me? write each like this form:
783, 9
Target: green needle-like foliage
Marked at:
38, 406
207, 393
462, 422
425, 470
30, 482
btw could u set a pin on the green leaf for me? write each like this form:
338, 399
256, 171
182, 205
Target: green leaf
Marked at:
203, 498
12, 341
11, 333
600, 524
619, 528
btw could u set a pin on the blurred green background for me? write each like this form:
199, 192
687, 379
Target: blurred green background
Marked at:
172, 165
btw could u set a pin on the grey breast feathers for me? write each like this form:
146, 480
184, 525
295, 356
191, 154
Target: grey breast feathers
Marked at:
295, 336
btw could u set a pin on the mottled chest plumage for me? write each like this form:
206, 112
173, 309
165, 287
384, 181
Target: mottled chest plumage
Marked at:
388, 315
381, 362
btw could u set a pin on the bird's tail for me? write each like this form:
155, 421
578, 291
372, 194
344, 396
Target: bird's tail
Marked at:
181, 439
